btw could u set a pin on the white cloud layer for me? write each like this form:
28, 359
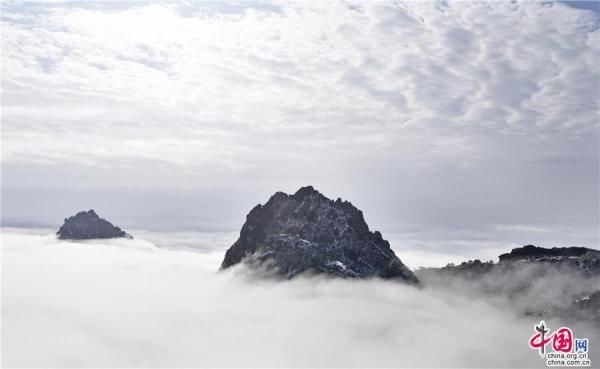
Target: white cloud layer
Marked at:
127, 303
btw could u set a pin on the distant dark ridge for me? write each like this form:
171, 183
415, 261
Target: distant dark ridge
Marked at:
531, 251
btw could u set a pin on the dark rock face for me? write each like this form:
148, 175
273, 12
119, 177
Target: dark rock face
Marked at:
308, 233
88, 225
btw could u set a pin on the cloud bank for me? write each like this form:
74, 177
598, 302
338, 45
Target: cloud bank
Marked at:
128, 303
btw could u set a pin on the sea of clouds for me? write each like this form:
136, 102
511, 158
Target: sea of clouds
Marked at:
130, 303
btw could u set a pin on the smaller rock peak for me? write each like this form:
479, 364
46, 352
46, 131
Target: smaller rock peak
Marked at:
88, 225
304, 192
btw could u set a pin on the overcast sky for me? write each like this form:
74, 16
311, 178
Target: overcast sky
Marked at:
440, 121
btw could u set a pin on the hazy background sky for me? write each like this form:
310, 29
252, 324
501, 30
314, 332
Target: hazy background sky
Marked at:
449, 124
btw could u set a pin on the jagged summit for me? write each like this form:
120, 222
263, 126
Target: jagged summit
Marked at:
305, 191
88, 225
308, 233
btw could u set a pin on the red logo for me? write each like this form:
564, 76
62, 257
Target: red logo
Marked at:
562, 339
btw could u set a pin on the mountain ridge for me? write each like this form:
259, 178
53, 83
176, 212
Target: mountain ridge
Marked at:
306, 232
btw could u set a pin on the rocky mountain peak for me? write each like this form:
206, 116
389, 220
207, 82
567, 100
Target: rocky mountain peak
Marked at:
88, 225
308, 233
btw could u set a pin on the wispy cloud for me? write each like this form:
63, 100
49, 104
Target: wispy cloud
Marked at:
521, 228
